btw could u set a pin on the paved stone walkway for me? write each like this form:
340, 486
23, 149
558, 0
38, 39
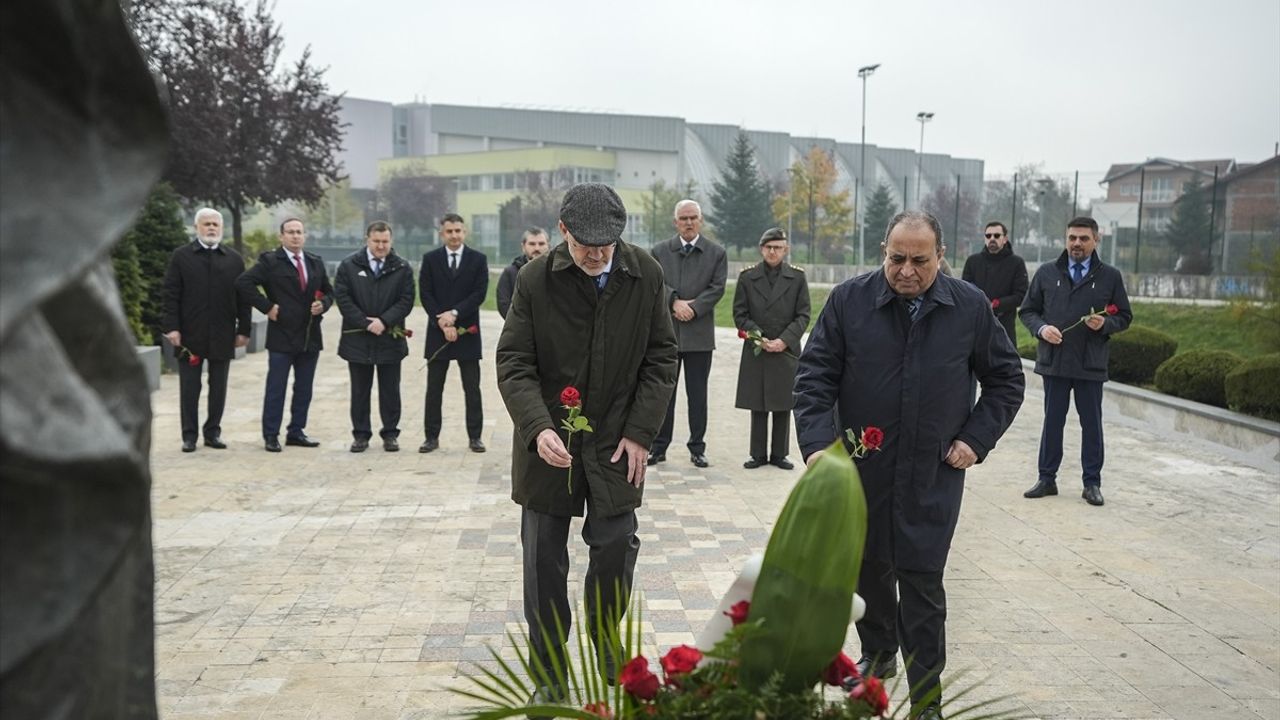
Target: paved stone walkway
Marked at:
320, 584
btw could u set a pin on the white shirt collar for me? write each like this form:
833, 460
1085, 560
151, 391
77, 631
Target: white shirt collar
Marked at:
690, 243
372, 259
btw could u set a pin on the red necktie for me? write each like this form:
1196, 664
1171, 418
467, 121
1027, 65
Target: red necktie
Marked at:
302, 275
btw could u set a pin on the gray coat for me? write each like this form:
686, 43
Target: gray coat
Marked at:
779, 311
1052, 300
914, 381
698, 277
617, 349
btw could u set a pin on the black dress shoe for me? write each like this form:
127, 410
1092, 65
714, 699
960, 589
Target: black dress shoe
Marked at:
754, 463
300, 440
656, 458
1040, 489
188, 446
476, 445
930, 712
391, 444
1092, 494
214, 442
699, 460
783, 463
359, 446
883, 669
428, 445
272, 444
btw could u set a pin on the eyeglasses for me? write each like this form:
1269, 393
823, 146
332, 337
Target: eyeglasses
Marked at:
993, 236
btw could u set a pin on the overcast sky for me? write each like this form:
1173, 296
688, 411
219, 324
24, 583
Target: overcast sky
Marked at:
1074, 85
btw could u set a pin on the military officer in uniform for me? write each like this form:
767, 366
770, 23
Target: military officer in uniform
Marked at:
772, 299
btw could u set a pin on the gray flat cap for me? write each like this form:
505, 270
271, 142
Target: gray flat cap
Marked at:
593, 214
773, 234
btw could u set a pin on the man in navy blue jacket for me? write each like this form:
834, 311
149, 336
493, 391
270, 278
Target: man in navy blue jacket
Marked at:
1074, 306
452, 283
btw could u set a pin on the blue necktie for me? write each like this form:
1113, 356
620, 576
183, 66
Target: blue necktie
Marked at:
913, 307
1077, 273
377, 268
686, 249
601, 280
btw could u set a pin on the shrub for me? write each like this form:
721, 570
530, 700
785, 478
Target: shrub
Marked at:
1028, 350
1137, 352
1254, 387
1198, 375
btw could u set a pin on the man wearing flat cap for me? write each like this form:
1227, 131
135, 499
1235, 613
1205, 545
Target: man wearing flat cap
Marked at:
592, 314
770, 305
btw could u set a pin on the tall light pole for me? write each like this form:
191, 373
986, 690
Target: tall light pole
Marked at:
864, 72
923, 117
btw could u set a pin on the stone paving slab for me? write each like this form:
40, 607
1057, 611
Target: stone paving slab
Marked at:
316, 583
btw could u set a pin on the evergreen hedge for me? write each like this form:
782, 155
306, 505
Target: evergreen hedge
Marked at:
1198, 375
1254, 387
1137, 352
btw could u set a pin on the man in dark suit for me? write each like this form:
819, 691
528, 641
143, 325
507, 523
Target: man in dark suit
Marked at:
532, 244
452, 283
374, 292
291, 287
1001, 274
771, 298
1073, 360
897, 349
205, 321
695, 269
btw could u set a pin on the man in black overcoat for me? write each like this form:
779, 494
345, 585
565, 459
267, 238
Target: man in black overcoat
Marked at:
291, 287
897, 349
533, 243
205, 320
452, 283
374, 292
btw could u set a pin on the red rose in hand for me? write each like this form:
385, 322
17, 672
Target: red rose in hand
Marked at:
319, 295
637, 680
872, 437
840, 668
871, 691
194, 360
408, 333
598, 709
995, 303
742, 334
737, 612
473, 330
1112, 309
680, 660
570, 397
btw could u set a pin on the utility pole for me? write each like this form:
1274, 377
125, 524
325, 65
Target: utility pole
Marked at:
923, 117
864, 72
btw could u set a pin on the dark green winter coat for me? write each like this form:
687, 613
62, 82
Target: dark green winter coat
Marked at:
618, 350
779, 311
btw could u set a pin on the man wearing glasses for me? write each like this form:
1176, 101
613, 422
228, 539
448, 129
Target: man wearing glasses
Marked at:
592, 315
1000, 274
695, 269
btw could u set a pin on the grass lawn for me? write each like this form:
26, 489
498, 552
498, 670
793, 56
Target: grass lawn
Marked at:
1194, 326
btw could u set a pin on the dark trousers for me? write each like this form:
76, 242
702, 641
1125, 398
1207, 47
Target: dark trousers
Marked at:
437, 372
697, 368
304, 375
1007, 322
781, 435
613, 548
388, 399
915, 621
1057, 396
189, 396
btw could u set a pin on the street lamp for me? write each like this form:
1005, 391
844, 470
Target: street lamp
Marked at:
1045, 184
923, 117
864, 72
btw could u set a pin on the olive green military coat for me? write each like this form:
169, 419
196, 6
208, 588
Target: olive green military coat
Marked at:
781, 311
618, 349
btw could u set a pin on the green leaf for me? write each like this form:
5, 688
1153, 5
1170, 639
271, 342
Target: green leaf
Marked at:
579, 423
587, 428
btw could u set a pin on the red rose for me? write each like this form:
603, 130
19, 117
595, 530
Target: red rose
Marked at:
840, 668
995, 303
1112, 309
871, 691
570, 397
319, 295
599, 709
680, 660
738, 612
742, 334
872, 437
408, 333
637, 680
473, 330
194, 360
